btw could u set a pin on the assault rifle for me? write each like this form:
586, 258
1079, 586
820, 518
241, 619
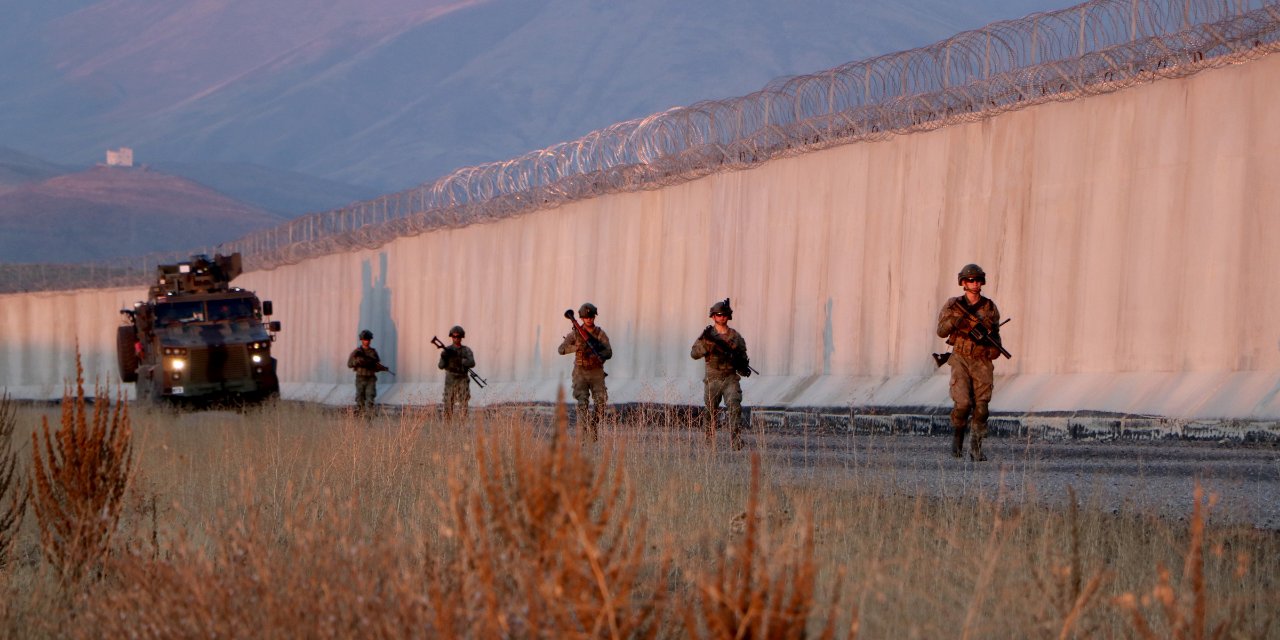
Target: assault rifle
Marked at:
738, 357
470, 372
587, 338
377, 367
979, 334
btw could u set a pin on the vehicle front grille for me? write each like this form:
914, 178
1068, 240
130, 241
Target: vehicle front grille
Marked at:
219, 364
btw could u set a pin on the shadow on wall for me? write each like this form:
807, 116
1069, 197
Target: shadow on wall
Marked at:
375, 311
828, 340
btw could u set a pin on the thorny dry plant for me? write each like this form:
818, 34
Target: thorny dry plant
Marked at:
79, 476
745, 595
539, 538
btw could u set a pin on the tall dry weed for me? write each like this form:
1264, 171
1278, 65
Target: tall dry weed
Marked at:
79, 476
752, 591
13, 492
542, 540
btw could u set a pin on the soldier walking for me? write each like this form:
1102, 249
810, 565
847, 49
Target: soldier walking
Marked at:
457, 361
590, 346
971, 325
366, 363
725, 352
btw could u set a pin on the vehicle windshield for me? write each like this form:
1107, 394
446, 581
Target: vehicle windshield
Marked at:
179, 312
234, 309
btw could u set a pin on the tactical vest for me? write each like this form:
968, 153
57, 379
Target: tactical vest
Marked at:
583, 358
960, 341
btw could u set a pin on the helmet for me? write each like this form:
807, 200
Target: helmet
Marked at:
588, 310
722, 307
457, 331
366, 334
971, 271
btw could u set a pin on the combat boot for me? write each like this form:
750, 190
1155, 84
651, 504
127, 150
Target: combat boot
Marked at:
957, 441
975, 450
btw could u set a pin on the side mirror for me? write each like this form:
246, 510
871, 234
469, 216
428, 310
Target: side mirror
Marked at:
273, 326
266, 308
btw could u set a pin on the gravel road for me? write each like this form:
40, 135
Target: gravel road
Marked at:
1156, 477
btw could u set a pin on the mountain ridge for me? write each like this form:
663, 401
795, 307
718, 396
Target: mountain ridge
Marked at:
394, 93
109, 212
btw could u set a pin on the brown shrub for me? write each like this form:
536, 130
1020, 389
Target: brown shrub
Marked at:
542, 540
751, 592
79, 480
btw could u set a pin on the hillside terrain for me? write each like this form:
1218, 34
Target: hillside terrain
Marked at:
392, 93
110, 211
17, 169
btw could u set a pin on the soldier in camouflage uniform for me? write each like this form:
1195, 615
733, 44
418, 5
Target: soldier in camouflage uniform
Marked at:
972, 371
367, 364
725, 352
457, 360
588, 368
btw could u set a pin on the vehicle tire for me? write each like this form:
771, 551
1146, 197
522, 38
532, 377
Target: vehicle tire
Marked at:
126, 356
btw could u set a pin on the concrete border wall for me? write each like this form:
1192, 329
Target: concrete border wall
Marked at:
1131, 237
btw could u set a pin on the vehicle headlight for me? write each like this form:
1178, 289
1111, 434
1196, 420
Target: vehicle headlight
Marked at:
257, 359
178, 364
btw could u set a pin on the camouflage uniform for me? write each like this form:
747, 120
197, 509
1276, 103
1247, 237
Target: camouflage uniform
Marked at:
367, 364
721, 380
588, 375
457, 361
972, 370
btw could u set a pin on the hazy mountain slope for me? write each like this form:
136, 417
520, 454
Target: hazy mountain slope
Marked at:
278, 191
391, 93
17, 168
106, 212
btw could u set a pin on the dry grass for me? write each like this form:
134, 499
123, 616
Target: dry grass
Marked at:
297, 521
1191, 609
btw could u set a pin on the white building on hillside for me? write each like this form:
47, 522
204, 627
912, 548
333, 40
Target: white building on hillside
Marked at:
122, 157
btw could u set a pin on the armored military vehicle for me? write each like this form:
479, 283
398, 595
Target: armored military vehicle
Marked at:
198, 339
